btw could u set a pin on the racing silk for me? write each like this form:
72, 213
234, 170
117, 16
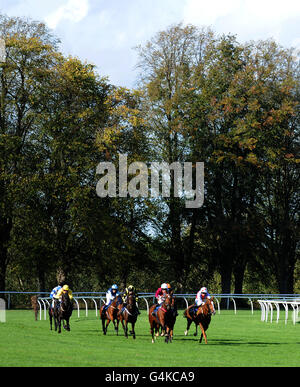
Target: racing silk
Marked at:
55, 291
159, 294
110, 296
60, 292
126, 293
201, 300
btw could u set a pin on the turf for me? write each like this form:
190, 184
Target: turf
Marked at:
240, 340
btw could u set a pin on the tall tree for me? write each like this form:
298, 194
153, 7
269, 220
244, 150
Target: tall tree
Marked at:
29, 50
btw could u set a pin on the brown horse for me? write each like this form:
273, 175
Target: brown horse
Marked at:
110, 315
35, 306
62, 311
201, 317
129, 314
164, 319
190, 315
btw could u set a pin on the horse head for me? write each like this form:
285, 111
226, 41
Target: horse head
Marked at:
65, 302
131, 302
206, 309
167, 303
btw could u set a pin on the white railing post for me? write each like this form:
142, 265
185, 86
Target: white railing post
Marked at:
286, 311
44, 307
146, 304
186, 302
95, 306
78, 312
218, 305
86, 307
40, 305
278, 311
234, 305
271, 309
251, 303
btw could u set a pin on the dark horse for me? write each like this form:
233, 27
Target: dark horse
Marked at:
61, 312
201, 317
110, 314
128, 314
165, 319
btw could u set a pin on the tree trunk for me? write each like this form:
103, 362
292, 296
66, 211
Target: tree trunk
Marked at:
226, 275
5, 229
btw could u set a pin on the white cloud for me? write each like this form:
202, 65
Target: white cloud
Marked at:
255, 11
73, 10
248, 19
104, 32
207, 12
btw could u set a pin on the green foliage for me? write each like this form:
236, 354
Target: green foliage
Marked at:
201, 97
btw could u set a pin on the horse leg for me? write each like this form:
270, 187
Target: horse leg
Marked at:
189, 322
132, 328
203, 334
59, 325
126, 329
117, 326
68, 324
50, 319
103, 325
123, 325
106, 325
55, 322
152, 327
167, 334
196, 333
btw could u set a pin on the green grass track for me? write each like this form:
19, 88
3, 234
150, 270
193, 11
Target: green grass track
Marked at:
240, 340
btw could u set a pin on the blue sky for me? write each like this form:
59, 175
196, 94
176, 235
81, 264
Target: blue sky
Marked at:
105, 32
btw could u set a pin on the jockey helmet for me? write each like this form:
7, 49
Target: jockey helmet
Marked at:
203, 290
164, 286
130, 288
114, 287
169, 286
65, 287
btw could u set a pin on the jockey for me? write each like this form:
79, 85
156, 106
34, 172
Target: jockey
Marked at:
159, 295
111, 295
130, 290
55, 291
64, 289
201, 296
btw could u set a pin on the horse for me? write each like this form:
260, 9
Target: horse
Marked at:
201, 318
35, 306
129, 314
51, 317
62, 311
189, 314
111, 314
165, 319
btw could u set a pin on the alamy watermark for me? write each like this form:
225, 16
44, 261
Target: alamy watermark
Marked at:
2, 311
146, 180
2, 50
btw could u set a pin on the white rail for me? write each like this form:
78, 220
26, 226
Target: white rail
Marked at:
267, 310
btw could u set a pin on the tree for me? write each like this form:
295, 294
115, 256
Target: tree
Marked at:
29, 50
